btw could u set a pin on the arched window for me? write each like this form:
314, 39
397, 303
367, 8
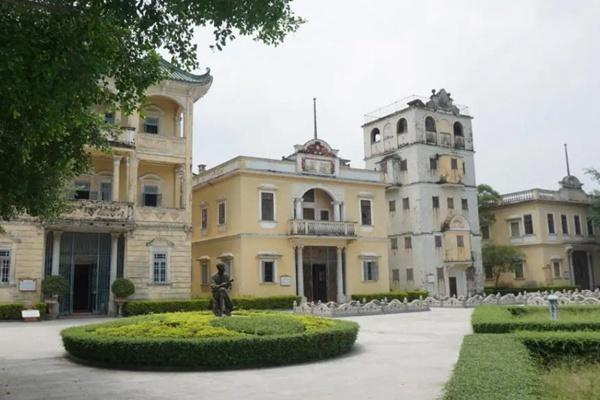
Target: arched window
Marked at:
401, 127
375, 135
458, 129
429, 124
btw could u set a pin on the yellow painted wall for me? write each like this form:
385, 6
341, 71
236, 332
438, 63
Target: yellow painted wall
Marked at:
167, 181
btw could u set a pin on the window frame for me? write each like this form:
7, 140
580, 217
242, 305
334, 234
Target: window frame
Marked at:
157, 124
392, 205
6, 264
522, 267
557, 263
360, 207
550, 219
427, 128
401, 127
204, 218
394, 243
273, 208
368, 272
438, 241
464, 203
407, 242
261, 266
576, 225
460, 241
435, 202
510, 228
375, 135
450, 203
204, 272
222, 204
403, 165
406, 203
433, 163
564, 224
527, 224
454, 164
167, 263
410, 275
158, 193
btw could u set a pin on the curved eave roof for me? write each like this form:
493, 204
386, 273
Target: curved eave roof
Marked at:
179, 75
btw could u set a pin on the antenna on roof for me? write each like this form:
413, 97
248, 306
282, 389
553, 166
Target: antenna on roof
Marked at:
315, 114
567, 159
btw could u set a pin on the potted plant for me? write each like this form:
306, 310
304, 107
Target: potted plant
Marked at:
52, 287
122, 288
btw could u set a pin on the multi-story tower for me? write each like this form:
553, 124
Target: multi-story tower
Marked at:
425, 149
130, 216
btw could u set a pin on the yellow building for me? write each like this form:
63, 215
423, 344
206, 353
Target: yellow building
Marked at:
307, 224
560, 244
130, 214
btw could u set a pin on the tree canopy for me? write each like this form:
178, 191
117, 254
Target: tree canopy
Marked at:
62, 57
501, 259
595, 207
487, 198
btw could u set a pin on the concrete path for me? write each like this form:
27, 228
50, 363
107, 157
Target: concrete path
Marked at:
402, 356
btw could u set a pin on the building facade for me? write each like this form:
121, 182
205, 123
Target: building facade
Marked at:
425, 150
560, 245
306, 225
130, 215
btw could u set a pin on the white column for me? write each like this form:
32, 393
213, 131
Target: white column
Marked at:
571, 272
300, 272
180, 187
56, 252
340, 276
115, 178
590, 269
132, 178
112, 308
446, 281
337, 215
299, 214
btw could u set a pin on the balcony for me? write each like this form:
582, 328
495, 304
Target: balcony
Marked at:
300, 227
459, 142
445, 139
176, 216
93, 212
169, 146
430, 137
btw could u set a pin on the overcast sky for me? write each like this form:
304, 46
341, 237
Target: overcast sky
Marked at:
529, 71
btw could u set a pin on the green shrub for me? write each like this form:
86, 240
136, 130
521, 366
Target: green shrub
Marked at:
550, 347
504, 319
55, 285
493, 367
409, 295
12, 311
516, 291
260, 325
265, 303
107, 344
122, 288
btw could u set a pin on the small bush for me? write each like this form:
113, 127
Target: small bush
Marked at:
552, 347
265, 303
516, 291
122, 288
409, 295
260, 325
13, 311
55, 285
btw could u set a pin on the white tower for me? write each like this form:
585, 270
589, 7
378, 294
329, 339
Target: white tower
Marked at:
425, 148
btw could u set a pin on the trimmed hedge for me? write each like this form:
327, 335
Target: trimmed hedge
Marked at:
409, 295
220, 352
516, 291
12, 311
499, 319
550, 347
141, 307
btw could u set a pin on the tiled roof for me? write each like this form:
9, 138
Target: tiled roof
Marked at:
177, 74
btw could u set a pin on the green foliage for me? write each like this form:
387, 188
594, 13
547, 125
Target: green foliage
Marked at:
502, 258
265, 303
401, 295
516, 291
65, 57
122, 288
12, 311
550, 347
493, 367
499, 319
595, 206
487, 198
573, 381
173, 340
55, 285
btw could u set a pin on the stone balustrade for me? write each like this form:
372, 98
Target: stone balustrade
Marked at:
322, 228
353, 308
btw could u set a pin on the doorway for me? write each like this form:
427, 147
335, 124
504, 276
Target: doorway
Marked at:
319, 286
452, 284
82, 294
580, 270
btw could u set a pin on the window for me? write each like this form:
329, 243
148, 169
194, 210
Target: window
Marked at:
564, 224
375, 135
159, 267
267, 206
556, 269
222, 213
577, 222
404, 165
514, 229
309, 196
454, 163
485, 232
324, 215
396, 275
392, 205
308, 213
82, 190
394, 243
433, 163
464, 204
106, 191
460, 241
519, 271
370, 270
410, 276
151, 196
401, 126
450, 202
429, 124
458, 129
438, 241
489, 272
528, 224
405, 203
590, 227
408, 242
267, 271
204, 218
551, 229
366, 217
4, 266
151, 125
435, 201
109, 118
204, 273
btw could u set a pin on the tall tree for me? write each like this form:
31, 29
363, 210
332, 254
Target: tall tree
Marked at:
487, 198
62, 57
501, 258
595, 207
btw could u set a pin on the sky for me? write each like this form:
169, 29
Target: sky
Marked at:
529, 71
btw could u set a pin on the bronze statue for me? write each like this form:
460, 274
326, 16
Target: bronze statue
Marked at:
220, 285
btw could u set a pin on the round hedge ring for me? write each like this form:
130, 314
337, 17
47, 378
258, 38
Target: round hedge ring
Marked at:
200, 340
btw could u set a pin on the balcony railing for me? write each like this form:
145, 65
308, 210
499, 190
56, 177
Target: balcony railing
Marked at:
99, 212
322, 228
445, 139
431, 137
126, 136
459, 142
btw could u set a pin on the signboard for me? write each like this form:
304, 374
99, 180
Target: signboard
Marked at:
30, 315
285, 280
27, 285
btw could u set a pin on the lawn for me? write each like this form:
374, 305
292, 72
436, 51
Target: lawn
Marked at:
566, 381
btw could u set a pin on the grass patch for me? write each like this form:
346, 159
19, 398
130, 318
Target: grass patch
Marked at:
571, 381
260, 325
493, 367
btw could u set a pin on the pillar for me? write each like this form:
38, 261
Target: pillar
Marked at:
340, 276
56, 252
299, 213
113, 271
337, 215
300, 272
571, 272
446, 281
115, 179
132, 178
180, 187
590, 269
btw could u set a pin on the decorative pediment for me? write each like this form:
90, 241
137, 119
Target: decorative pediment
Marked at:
160, 242
456, 223
317, 147
441, 100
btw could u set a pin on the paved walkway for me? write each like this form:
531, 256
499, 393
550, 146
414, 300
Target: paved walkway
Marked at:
402, 356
